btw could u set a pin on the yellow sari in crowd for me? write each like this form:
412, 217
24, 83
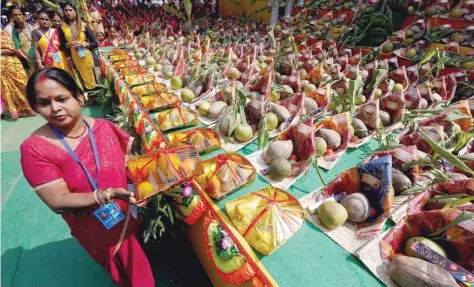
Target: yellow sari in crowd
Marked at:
85, 65
13, 81
48, 46
22, 41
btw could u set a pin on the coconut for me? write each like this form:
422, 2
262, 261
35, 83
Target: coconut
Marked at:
150, 60
224, 126
176, 83
272, 121
309, 88
304, 83
357, 206
279, 169
187, 95
426, 241
243, 132
255, 96
310, 105
320, 145
400, 182
281, 112
385, 118
274, 95
423, 104
332, 214
288, 91
278, 149
332, 138
216, 109
458, 176
360, 130
233, 73
255, 110
157, 67
203, 108
437, 99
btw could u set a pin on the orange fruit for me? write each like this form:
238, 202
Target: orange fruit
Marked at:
145, 189
214, 186
188, 164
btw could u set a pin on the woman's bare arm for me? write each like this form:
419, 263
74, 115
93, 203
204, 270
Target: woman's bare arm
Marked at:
61, 200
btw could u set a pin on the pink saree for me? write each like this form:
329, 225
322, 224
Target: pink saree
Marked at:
44, 163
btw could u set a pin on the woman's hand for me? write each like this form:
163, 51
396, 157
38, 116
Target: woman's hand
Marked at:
118, 193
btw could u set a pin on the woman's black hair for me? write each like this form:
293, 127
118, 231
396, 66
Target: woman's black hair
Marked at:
51, 73
55, 13
64, 5
15, 7
48, 12
116, 27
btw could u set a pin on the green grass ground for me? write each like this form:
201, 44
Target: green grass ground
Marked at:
37, 248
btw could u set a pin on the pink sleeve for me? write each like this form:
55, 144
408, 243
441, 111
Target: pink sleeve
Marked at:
38, 169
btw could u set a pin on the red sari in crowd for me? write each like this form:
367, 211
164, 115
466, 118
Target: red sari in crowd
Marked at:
44, 163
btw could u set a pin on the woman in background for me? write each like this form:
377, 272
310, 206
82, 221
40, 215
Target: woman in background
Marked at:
46, 43
115, 35
56, 21
103, 42
13, 80
78, 40
22, 38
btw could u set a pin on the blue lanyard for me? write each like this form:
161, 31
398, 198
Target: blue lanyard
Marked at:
60, 136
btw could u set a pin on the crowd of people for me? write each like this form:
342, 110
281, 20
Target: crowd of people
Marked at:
36, 36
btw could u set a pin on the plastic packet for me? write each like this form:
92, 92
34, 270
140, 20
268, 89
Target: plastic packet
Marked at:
156, 172
266, 218
221, 175
176, 117
203, 139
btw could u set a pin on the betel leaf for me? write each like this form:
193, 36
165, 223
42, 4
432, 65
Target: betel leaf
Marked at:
462, 217
446, 154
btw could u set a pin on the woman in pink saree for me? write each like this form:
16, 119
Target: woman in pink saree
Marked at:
77, 167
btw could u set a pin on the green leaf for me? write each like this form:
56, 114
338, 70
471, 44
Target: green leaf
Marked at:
462, 217
377, 76
455, 116
457, 195
413, 190
263, 9
263, 135
188, 7
458, 202
174, 12
446, 154
387, 147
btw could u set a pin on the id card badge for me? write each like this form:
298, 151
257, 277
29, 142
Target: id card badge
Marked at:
81, 52
56, 58
109, 215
